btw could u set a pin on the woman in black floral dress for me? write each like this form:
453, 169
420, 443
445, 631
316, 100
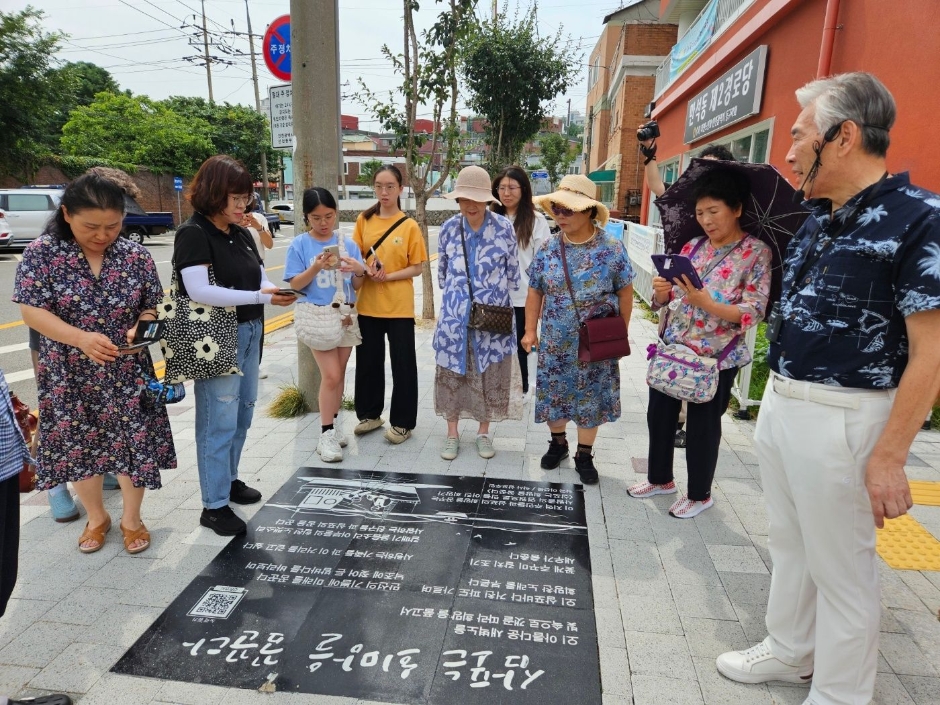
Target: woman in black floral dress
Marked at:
85, 289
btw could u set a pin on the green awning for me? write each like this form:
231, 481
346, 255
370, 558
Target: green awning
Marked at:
604, 176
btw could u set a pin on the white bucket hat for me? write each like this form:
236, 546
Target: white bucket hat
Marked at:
576, 192
473, 183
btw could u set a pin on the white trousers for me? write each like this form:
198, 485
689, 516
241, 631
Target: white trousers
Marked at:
824, 606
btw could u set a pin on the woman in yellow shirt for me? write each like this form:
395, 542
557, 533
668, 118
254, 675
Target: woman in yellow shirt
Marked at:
393, 248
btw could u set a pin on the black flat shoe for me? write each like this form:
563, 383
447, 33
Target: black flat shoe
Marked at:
223, 521
584, 464
243, 494
55, 699
555, 454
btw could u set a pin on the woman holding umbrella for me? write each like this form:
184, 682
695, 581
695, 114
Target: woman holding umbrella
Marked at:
735, 270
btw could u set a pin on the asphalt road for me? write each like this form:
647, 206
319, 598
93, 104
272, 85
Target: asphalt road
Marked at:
14, 352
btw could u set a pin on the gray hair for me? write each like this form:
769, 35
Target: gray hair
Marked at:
859, 97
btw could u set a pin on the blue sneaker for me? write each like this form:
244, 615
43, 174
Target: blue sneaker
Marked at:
111, 482
63, 507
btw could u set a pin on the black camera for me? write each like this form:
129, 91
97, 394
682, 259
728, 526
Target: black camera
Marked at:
649, 131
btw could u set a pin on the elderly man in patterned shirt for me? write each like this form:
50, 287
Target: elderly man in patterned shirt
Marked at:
855, 368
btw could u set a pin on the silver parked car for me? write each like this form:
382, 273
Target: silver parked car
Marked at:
27, 210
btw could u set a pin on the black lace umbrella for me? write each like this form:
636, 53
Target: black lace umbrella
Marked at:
772, 213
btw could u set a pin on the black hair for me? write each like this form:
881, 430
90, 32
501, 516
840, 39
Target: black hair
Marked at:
87, 192
524, 222
717, 151
317, 196
726, 185
391, 168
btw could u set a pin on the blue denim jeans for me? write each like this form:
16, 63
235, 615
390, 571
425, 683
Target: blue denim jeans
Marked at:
224, 409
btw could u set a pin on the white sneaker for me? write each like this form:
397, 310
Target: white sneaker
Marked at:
338, 433
758, 665
328, 448
685, 508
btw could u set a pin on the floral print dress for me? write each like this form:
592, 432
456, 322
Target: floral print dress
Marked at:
93, 418
741, 278
587, 393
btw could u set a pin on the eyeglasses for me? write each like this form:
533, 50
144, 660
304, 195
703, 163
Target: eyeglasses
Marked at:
239, 200
317, 219
508, 189
385, 188
562, 211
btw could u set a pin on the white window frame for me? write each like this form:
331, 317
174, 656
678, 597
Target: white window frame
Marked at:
765, 125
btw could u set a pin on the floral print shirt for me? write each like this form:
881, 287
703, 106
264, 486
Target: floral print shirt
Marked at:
843, 322
494, 262
741, 278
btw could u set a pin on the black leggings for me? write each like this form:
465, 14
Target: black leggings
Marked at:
523, 354
703, 436
9, 537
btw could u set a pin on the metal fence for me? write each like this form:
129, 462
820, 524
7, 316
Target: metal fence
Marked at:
727, 12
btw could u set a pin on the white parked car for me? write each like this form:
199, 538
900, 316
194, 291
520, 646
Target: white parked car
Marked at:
6, 234
284, 210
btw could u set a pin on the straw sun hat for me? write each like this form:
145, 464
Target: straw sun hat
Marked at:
576, 192
473, 183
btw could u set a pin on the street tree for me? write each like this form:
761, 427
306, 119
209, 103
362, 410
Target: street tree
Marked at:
513, 74
427, 66
557, 154
367, 171
235, 130
29, 84
138, 130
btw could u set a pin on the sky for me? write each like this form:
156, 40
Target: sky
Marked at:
144, 43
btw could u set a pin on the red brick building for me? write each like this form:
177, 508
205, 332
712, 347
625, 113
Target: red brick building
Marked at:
621, 73
778, 46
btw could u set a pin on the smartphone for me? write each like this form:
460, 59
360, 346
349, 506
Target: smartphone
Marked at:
148, 333
290, 292
333, 252
671, 267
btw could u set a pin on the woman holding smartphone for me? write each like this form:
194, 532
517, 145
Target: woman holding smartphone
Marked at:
328, 269
394, 250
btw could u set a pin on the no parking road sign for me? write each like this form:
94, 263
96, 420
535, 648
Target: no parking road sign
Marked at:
277, 47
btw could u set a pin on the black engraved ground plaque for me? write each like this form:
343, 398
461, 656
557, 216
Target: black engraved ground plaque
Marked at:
395, 587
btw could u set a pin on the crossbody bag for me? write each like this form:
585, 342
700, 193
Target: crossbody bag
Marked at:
486, 317
602, 334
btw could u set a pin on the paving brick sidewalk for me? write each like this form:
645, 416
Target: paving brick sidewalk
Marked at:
669, 595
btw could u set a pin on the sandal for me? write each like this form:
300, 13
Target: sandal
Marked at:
136, 535
94, 534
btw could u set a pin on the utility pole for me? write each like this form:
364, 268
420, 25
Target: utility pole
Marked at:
315, 104
567, 120
254, 77
205, 44
495, 11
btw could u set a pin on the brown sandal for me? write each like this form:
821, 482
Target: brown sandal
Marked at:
136, 535
94, 534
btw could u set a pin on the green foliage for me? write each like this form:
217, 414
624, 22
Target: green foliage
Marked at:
574, 131
235, 130
760, 372
367, 171
74, 167
348, 403
137, 130
29, 85
557, 155
513, 74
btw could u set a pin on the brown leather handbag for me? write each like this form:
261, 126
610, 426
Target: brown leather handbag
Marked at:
27, 423
603, 334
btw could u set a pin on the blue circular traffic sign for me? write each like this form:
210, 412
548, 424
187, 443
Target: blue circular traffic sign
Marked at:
277, 47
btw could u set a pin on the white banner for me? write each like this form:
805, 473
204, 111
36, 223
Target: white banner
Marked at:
282, 117
641, 244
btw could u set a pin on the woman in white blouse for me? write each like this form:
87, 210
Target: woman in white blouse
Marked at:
513, 192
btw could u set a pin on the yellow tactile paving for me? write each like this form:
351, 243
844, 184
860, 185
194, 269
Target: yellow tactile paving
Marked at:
906, 545
925, 493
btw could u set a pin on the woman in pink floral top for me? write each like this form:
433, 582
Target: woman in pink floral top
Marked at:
735, 271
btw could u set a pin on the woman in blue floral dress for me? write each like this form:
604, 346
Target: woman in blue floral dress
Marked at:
477, 373
85, 289
565, 389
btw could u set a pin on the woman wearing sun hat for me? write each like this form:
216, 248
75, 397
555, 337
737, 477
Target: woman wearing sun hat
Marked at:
565, 389
477, 375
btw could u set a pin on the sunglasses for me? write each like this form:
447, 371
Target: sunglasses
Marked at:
562, 211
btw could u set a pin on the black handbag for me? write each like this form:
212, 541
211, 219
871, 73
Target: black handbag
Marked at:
486, 317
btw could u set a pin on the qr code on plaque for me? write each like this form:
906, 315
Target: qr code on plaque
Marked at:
218, 602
